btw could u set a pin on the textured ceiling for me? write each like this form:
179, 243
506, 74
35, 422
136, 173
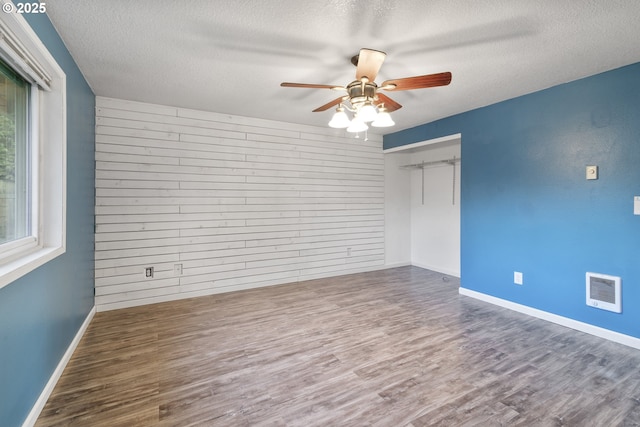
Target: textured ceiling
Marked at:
230, 56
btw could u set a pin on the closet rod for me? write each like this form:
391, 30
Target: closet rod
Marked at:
451, 161
422, 165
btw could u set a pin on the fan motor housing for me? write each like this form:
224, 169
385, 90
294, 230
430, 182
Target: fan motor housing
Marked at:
361, 91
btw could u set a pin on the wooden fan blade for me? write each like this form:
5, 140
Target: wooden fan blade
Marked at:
311, 86
369, 63
329, 104
418, 82
389, 103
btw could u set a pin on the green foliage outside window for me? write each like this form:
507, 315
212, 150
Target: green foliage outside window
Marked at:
14, 158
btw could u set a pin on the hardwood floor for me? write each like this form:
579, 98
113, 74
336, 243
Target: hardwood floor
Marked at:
388, 348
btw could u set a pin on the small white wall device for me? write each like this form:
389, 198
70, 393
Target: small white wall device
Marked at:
603, 291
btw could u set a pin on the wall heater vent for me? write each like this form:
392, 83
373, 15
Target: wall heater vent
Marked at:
603, 291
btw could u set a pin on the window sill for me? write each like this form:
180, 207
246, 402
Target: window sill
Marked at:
15, 269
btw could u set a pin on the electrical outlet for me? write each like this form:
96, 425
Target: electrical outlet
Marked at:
148, 272
517, 278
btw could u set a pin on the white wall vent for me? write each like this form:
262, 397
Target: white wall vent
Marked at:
603, 291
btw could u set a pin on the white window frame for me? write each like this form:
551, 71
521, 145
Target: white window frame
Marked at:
22, 50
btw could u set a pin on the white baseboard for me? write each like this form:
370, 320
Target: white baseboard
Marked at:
212, 291
48, 389
554, 318
397, 264
437, 269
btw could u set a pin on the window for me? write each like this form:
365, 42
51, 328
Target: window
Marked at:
32, 151
15, 164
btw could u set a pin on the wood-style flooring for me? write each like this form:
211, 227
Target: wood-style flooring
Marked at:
398, 347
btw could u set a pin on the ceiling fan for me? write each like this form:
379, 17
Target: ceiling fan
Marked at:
363, 97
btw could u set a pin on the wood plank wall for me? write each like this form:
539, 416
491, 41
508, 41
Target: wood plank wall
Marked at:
237, 202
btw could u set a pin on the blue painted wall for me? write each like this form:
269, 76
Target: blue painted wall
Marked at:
41, 312
526, 205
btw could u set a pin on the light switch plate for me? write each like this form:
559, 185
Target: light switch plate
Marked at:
592, 172
517, 277
636, 205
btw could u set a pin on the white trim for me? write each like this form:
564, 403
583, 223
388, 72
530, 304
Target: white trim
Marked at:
421, 144
554, 318
19, 246
26, 263
48, 389
18, 56
437, 269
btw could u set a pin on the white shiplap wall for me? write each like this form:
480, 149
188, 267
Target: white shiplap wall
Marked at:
238, 202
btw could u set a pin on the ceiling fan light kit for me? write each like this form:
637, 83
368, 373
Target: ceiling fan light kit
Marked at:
357, 125
368, 113
383, 119
340, 120
363, 99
